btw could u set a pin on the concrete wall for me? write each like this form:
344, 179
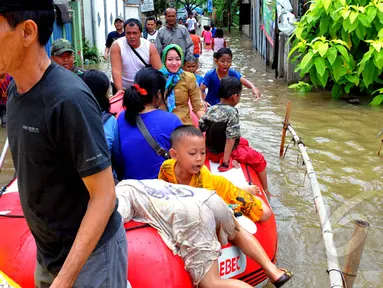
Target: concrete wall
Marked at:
110, 16
99, 18
61, 1
246, 30
120, 8
132, 11
88, 21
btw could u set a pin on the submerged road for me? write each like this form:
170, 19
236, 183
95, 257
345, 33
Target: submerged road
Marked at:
341, 141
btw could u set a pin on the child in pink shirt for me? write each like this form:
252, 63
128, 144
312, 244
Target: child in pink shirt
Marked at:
207, 37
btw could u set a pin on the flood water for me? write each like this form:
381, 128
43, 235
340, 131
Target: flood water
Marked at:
342, 143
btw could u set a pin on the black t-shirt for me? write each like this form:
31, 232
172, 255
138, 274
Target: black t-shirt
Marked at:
113, 36
56, 138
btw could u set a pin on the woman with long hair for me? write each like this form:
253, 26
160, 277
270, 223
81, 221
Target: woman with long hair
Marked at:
142, 100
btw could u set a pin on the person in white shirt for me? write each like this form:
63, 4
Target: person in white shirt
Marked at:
150, 32
191, 22
130, 54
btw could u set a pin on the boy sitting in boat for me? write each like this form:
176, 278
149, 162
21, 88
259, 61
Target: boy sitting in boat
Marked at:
193, 223
186, 167
223, 134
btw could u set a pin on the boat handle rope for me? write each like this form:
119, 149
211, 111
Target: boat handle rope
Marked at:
137, 227
12, 216
342, 273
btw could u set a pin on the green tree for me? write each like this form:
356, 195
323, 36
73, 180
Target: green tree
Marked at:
340, 45
190, 5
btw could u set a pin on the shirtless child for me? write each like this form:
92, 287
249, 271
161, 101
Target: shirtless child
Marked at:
193, 223
186, 167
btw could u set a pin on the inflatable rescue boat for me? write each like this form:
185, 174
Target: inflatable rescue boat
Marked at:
151, 262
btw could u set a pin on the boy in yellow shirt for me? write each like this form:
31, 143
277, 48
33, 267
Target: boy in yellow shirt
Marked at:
186, 167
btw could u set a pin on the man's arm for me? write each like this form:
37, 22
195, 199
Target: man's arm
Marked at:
116, 60
106, 53
101, 205
155, 59
109, 42
189, 44
158, 42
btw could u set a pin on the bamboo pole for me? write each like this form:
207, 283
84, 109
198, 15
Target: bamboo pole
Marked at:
4, 153
355, 251
335, 274
285, 124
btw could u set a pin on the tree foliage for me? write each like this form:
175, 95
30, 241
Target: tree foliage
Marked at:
190, 5
340, 45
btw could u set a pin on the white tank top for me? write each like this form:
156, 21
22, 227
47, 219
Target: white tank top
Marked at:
218, 43
131, 64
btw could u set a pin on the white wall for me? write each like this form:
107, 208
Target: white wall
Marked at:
99, 24
246, 30
95, 30
132, 11
120, 8
88, 24
110, 15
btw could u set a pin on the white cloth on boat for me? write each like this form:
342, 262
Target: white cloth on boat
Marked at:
193, 222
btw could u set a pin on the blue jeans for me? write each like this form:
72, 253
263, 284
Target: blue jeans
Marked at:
106, 267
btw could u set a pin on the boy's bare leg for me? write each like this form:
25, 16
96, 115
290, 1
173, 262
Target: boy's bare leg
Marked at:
263, 178
251, 247
212, 279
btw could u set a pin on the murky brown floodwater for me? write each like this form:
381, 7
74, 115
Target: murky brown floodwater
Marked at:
341, 141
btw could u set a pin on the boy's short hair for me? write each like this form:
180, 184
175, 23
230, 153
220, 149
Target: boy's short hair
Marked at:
184, 131
191, 58
229, 86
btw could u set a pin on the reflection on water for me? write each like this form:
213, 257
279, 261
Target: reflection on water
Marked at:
341, 141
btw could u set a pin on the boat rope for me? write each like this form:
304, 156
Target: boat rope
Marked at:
137, 227
13, 216
287, 147
342, 273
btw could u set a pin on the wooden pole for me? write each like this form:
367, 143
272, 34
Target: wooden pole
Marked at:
4, 153
284, 129
355, 251
334, 272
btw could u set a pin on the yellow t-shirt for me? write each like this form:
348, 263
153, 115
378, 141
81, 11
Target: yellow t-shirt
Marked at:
224, 188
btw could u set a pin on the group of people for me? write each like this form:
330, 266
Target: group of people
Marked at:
69, 151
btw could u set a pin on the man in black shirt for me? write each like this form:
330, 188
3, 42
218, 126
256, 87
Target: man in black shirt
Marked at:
114, 35
61, 158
